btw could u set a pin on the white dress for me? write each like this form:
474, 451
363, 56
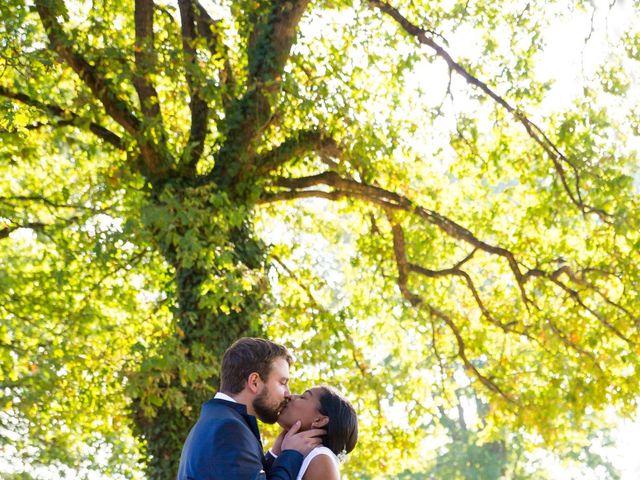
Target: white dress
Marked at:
321, 450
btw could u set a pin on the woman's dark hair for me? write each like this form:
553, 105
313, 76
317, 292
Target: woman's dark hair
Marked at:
342, 429
248, 355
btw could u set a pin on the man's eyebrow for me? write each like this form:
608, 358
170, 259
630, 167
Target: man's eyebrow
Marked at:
309, 392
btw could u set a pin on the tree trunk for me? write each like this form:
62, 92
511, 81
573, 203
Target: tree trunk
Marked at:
214, 306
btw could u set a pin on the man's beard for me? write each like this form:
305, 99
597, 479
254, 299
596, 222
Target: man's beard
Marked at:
265, 412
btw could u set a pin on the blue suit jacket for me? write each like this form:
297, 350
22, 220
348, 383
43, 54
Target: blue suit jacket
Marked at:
224, 444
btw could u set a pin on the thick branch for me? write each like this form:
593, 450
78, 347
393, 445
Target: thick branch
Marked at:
393, 200
298, 144
197, 104
67, 117
102, 88
403, 265
43, 200
269, 49
145, 56
208, 29
332, 179
300, 194
6, 231
272, 38
558, 158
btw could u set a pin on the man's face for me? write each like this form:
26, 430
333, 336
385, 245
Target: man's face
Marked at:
274, 394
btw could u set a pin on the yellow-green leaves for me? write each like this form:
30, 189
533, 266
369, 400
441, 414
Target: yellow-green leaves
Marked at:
426, 200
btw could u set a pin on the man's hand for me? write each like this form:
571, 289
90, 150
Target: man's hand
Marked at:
302, 442
276, 449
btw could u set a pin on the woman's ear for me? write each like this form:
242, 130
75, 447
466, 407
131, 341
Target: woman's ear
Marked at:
320, 422
253, 382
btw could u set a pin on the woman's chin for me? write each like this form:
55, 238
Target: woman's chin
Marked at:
284, 422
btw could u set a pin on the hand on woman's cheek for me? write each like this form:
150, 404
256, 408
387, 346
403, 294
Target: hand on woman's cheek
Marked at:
277, 445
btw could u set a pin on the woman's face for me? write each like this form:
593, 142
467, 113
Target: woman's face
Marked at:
305, 408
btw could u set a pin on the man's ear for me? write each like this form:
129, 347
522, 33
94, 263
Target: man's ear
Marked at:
320, 422
254, 382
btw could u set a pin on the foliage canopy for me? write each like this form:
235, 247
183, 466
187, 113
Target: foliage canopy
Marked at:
385, 187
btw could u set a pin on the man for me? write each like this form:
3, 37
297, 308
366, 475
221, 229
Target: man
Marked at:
225, 442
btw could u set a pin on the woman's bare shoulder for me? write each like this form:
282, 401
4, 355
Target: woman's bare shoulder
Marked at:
322, 467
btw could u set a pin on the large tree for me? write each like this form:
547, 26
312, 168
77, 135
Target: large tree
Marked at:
380, 185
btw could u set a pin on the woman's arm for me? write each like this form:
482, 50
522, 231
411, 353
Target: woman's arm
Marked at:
322, 467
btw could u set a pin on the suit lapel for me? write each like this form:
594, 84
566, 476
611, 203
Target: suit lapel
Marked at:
241, 409
253, 425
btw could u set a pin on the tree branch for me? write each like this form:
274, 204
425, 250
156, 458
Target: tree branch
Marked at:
298, 144
197, 104
36, 226
455, 271
392, 200
570, 344
102, 88
208, 29
145, 58
270, 197
553, 277
399, 249
558, 158
417, 301
268, 51
490, 384
67, 118
405, 267
566, 269
343, 188
272, 38
48, 202
6, 231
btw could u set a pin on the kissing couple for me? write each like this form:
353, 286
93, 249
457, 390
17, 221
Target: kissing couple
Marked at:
225, 444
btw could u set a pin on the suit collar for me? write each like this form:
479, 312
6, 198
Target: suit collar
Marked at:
224, 396
241, 408
238, 407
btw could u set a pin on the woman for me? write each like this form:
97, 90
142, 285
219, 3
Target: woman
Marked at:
321, 407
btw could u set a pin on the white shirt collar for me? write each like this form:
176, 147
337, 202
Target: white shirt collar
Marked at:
224, 396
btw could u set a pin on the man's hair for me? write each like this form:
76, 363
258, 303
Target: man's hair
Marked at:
248, 355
